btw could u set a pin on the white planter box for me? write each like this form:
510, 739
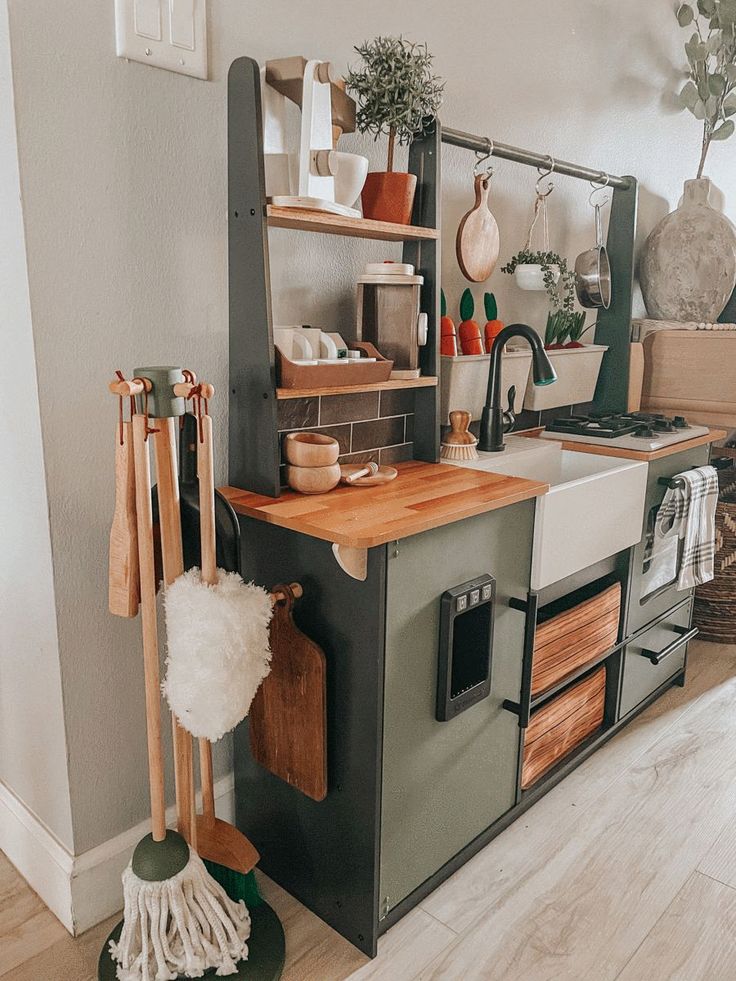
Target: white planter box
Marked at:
464, 381
577, 373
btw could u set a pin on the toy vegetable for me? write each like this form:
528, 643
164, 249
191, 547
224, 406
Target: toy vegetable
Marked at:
448, 335
469, 331
493, 324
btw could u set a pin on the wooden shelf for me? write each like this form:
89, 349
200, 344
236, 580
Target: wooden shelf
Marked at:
300, 393
322, 221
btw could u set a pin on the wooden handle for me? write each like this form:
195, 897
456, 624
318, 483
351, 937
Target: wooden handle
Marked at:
123, 577
482, 188
208, 781
184, 390
460, 423
164, 442
127, 388
278, 597
144, 517
206, 476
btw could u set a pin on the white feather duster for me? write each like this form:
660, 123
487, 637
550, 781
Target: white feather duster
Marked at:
218, 650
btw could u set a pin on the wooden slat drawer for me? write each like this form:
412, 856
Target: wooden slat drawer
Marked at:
575, 638
562, 724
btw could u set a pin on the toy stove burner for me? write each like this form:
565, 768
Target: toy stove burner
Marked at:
635, 430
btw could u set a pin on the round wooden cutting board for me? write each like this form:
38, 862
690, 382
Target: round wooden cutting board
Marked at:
478, 242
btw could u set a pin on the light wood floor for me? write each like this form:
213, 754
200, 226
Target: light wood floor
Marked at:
625, 870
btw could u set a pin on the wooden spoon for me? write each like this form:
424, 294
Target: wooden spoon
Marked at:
478, 242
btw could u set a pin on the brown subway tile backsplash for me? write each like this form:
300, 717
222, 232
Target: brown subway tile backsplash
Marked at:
397, 402
397, 454
369, 456
377, 432
298, 413
353, 407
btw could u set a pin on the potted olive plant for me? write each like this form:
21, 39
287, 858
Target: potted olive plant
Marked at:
398, 95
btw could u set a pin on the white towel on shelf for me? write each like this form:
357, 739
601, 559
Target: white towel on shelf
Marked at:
689, 511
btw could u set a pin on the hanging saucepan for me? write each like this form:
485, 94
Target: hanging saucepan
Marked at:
593, 271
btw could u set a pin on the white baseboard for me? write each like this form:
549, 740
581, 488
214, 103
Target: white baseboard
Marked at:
81, 890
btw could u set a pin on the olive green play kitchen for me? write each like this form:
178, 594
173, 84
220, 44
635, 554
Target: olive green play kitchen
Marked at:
487, 620
487, 552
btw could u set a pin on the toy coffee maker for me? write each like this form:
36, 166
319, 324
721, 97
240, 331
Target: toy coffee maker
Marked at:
389, 315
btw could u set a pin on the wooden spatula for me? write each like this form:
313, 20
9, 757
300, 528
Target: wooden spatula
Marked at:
478, 242
123, 576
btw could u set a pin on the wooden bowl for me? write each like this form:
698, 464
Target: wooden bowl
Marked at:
311, 449
313, 480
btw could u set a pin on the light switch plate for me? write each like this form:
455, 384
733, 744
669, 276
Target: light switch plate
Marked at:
170, 34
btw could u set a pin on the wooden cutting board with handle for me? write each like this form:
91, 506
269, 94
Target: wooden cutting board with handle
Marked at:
478, 243
288, 717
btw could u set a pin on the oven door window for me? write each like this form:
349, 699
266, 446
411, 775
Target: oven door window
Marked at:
661, 562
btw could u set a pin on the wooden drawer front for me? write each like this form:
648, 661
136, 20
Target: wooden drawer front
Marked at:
561, 725
574, 638
641, 677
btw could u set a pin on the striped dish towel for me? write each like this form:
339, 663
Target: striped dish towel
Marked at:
689, 510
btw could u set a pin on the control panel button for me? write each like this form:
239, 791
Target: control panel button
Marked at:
475, 597
487, 592
462, 603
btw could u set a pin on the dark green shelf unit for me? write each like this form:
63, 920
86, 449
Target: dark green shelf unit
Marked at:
253, 436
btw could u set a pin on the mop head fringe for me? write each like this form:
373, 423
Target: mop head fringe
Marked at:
218, 650
182, 925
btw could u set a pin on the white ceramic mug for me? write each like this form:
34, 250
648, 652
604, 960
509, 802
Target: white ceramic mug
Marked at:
350, 175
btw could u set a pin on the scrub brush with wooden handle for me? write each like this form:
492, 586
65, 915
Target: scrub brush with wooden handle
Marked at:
459, 444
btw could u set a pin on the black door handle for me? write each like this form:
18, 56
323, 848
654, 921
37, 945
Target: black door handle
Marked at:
656, 657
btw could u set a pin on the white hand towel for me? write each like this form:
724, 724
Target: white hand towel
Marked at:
689, 510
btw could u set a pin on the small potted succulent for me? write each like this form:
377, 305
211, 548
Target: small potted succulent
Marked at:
541, 271
397, 94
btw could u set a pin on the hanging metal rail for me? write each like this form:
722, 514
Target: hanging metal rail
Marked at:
481, 144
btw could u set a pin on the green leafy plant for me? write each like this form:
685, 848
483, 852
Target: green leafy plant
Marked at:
710, 91
562, 293
564, 329
395, 90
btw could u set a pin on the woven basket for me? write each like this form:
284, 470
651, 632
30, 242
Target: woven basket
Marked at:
715, 602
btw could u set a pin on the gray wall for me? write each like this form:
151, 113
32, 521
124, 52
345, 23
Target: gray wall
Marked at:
123, 169
33, 760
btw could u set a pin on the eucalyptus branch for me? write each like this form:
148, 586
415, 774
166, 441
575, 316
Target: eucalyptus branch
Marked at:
710, 92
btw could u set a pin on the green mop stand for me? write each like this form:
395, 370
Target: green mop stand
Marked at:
266, 944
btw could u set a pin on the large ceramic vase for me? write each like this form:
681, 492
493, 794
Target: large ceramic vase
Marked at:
688, 267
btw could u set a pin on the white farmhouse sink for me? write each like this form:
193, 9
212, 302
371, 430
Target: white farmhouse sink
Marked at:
593, 509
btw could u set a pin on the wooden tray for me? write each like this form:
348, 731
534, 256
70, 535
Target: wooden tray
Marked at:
561, 725
575, 638
292, 375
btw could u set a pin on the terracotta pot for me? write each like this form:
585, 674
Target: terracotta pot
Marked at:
389, 196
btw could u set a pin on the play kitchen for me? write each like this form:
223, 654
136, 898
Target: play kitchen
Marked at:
487, 620
478, 613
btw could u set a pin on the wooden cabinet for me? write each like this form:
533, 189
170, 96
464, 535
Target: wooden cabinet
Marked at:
576, 637
560, 726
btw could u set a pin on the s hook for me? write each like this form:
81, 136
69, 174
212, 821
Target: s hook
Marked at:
544, 174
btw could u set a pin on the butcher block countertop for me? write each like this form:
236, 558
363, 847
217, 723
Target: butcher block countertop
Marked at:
599, 446
423, 496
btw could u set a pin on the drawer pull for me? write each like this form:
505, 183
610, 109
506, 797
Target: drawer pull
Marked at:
687, 634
